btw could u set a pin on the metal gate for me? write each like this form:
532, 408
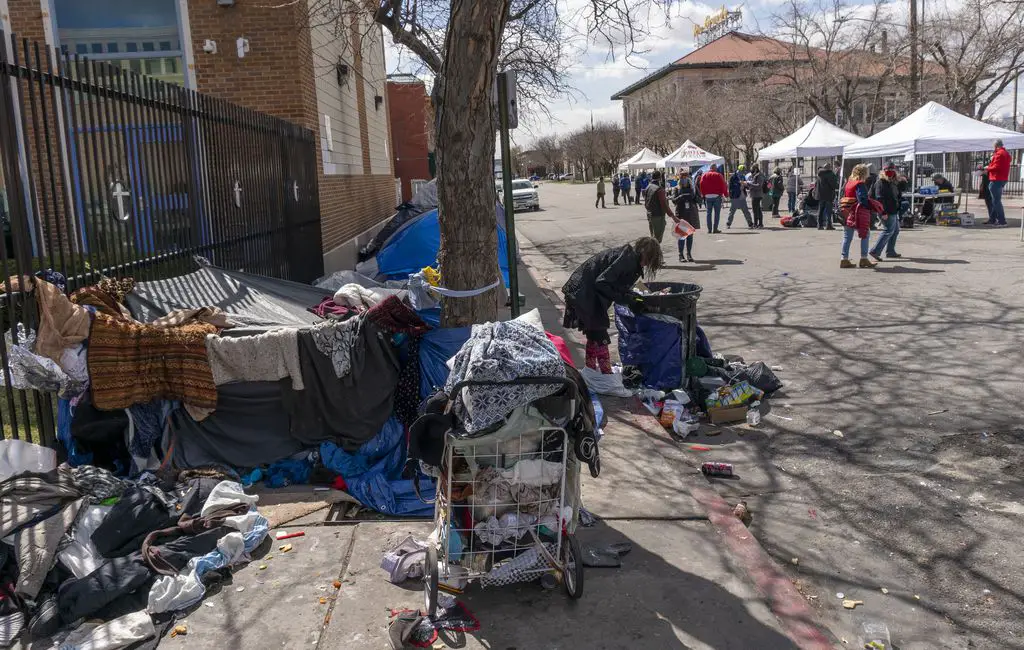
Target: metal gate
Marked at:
106, 172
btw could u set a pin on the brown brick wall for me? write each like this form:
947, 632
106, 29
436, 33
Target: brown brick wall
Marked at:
407, 106
364, 200
27, 19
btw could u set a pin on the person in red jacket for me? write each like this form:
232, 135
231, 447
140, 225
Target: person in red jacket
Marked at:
713, 188
998, 173
856, 208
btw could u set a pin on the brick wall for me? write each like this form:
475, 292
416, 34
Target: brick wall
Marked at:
407, 107
27, 19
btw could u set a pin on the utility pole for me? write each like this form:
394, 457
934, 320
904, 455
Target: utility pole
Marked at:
507, 120
914, 99
1016, 82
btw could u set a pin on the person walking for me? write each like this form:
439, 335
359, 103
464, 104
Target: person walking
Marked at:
998, 174
756, 189
615, 189
826, 188
657, 207
713, 189
856, 208
624, 186
686, 210
600, 193
778, 184
887, 192
738, 197
638, 183
793, 188
607, 278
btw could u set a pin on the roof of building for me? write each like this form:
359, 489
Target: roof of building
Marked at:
726, 51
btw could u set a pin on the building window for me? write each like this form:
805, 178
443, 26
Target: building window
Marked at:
135, 35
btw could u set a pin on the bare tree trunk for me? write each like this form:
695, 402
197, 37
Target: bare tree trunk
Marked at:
465, 159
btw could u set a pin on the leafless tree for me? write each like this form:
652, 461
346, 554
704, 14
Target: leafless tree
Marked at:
977, 47
463, 43
609, 146
549, 151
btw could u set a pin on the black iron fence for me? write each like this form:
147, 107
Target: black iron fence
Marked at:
106, 172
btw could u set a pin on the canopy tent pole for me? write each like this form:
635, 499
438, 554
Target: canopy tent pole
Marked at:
913, 180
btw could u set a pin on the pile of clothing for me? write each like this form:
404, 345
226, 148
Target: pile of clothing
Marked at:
84, 545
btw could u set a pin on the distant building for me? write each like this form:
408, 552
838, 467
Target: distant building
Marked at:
412, 131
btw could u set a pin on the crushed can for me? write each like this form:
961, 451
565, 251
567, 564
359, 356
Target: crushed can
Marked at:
716, 469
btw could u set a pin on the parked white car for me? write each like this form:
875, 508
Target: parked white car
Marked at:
524, 195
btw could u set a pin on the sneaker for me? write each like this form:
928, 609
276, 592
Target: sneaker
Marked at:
875, 256
847, 264
865, 263
690, 259
893, 255
718, 232
682, 258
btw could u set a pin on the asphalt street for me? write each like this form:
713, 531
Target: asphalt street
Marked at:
889, 468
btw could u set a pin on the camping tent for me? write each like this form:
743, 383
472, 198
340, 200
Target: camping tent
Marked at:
416, 244
819, 137
689, 155
933, 128
643, 159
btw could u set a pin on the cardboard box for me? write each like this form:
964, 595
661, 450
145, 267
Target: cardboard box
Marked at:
966, 219
941, 220
727, 414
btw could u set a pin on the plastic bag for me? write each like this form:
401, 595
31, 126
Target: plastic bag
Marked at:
760, 376
603, 384
672, 411
652, 343
683, 229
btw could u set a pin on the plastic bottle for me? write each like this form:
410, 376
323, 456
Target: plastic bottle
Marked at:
875, 635
754, 414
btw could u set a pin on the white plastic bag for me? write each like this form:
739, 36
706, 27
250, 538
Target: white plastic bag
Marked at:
18, 456
605, 384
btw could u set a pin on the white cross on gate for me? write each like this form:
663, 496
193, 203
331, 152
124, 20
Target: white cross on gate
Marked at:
119, 193
295, 190
238, 194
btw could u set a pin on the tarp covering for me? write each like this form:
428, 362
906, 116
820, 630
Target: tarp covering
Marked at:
256, 301
416, 245
933, 128
652, 345
643, 159
689, 155
819, 137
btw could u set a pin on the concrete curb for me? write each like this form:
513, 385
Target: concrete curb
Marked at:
785, 601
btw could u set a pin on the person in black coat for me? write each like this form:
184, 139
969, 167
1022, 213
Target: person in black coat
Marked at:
607, 278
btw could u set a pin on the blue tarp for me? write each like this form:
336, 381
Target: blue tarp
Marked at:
416, 245
436, 347
374, 473
654, 346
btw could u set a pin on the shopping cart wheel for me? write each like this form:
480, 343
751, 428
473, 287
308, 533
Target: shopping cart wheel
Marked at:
572, 560
430, 580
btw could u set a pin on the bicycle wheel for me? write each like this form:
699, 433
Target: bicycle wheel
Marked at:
572, 561
431, 577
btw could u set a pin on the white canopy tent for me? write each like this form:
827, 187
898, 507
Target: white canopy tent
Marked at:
819, 137
643, 159
933, 128
689, 155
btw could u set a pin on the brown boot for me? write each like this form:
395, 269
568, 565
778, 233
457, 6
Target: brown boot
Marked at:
847, 264
865, 263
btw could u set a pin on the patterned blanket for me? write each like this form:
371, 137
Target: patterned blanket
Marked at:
132, 363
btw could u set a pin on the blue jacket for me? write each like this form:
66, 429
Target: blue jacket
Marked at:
735, 186
624, 183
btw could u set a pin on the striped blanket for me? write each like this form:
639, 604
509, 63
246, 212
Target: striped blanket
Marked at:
132, 363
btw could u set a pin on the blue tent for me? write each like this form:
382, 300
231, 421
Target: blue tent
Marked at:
416, 245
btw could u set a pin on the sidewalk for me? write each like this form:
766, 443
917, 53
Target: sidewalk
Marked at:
686, 583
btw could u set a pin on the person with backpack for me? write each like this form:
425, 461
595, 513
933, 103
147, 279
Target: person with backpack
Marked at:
713, 188
778, 185
738, 197
657, 207
857, 208
794, 185
757, 187
686, 209
827, 186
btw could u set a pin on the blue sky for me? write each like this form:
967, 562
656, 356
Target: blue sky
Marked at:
599, 73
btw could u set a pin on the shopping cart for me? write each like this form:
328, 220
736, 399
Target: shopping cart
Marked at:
507, 501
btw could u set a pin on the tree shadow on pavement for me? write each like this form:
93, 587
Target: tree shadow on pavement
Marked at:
905, 269
651, 601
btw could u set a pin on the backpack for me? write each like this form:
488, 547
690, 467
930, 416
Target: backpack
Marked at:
777, 184
651, 202
735, 187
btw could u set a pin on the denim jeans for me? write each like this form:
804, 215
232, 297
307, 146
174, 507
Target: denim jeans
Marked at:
713, 204
995, 189
848, 235
824, 214
887, 238
685, 243
792, 202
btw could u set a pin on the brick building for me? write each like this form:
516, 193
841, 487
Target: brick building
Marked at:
412, 130
326, 73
